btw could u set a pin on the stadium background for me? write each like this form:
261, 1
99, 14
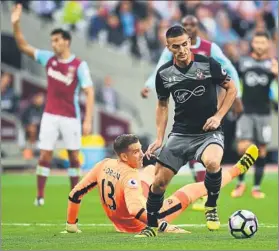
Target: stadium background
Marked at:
121, 44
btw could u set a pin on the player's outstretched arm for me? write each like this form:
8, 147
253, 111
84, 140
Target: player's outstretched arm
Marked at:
150, 83
21, 42
133, 198
136, 203
88, 182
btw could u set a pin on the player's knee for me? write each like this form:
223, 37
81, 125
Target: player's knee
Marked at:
242, 146
32, 128
73, 158
160, 185
149, 169
262, 151
212, 164
74, 163
45, 158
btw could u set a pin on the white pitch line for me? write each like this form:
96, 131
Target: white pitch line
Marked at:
53, 225
110, 225
225, 225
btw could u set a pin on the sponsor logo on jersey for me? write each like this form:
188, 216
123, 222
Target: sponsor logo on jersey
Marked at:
250, 63
182, 95
252, 79
67, 80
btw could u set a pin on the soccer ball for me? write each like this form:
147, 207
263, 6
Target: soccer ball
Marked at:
243, 224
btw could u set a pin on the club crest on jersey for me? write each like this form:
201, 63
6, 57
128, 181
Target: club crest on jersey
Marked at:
199, 74
170, 201
267, 64
133, 183
71, 71
54, 63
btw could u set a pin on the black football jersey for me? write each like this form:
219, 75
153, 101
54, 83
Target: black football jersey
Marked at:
194, 91
256, 77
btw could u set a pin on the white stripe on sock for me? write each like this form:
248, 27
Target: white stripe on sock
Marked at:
42, 171
74, 172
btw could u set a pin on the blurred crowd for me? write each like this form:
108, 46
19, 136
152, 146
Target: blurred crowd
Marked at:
9, 100
138, 27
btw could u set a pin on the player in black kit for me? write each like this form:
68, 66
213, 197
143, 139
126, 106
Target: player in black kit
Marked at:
257, 71
192, 80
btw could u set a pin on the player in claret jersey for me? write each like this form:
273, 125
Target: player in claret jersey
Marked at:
123, 189
66, 75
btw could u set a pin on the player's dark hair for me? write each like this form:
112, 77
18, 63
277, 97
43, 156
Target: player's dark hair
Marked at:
65, 34
262, 34
175, 31
122, 142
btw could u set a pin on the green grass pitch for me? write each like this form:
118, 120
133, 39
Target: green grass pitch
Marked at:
43, 225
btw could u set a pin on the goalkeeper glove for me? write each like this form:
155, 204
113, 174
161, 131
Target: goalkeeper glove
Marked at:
71, 228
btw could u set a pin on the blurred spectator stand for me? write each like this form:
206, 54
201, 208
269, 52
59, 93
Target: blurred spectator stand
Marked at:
9, 100
31, 119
